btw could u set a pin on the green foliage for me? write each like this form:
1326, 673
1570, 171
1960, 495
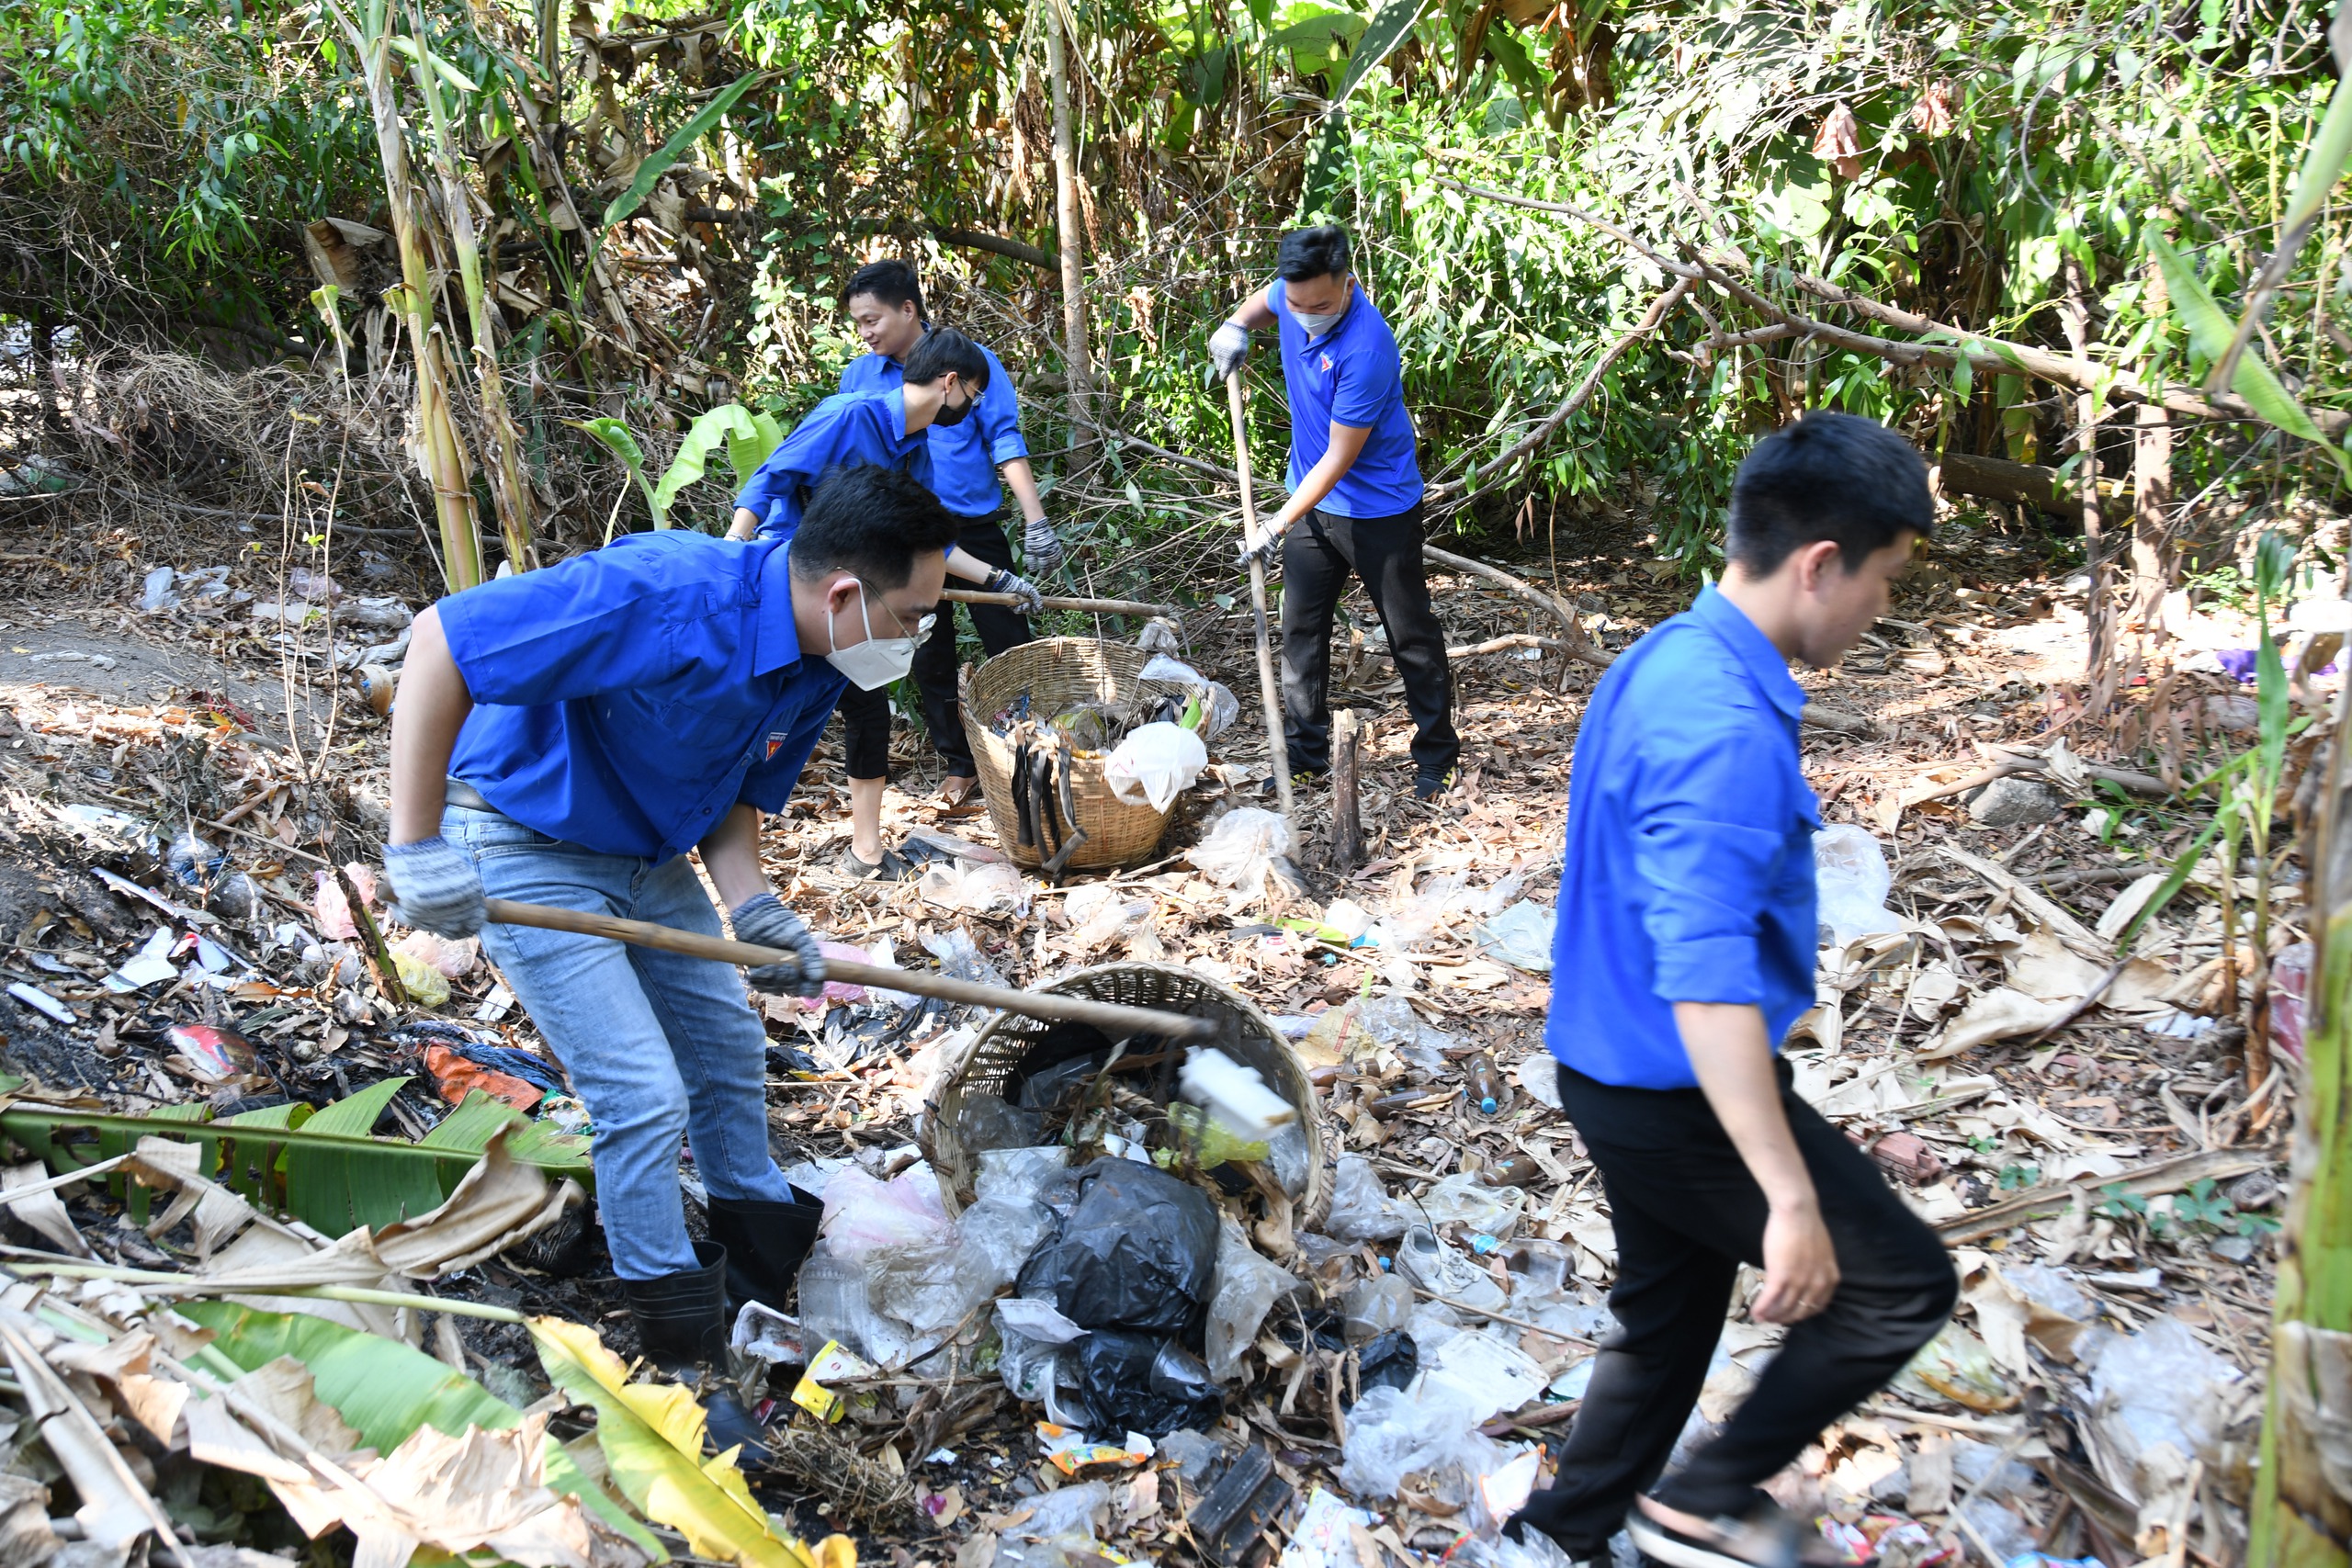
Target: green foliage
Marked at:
324, 1167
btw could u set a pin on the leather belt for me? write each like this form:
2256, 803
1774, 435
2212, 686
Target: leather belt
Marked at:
458, 792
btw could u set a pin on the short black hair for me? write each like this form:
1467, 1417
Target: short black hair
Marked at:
891, 281
1319, 251
872, 521
943, 349
1826, 476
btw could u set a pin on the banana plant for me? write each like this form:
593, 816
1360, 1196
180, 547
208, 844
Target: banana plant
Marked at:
748, 435
321, 1165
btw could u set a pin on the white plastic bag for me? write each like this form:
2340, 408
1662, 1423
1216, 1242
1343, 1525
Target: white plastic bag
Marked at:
993, 887
1241, 847
1852, 879
861, 1213
1154, 763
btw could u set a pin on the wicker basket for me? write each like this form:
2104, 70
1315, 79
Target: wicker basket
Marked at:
987, 1064
1057, 672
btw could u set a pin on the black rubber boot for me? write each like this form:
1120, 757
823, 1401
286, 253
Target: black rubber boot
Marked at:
681, 1326
766, 1243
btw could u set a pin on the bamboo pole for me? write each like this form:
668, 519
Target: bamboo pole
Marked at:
1089, 607
1277, 744
1077, 358
1107, 1016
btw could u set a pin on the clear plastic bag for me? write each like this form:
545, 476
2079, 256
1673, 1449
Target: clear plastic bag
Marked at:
958, 959
1521, 936
1243, 1290
1464, 1199
1361, 1209
993, 887
1241, 847
1392, 1436
861, 1215
1154, 763
1017, 1174
996, 1235
1852, 881
987, 1123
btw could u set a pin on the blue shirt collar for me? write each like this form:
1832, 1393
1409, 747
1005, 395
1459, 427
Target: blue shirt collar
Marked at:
897, 397
777, 640
1764, 663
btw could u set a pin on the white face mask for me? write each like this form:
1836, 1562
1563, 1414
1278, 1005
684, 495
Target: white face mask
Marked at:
1317, 326
874, 662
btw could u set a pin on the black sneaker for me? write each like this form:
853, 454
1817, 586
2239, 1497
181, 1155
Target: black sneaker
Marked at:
1428, 786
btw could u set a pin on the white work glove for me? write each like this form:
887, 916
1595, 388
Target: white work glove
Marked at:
1030, 601
764, 921
438, 887
1041, 547
1229, 348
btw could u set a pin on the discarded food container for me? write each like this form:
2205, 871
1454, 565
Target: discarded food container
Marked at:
1042, 678
1012, 1052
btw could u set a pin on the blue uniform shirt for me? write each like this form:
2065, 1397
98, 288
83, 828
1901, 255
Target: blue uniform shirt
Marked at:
1690, 858
1352, 376
964, 456
844, 430
629, 698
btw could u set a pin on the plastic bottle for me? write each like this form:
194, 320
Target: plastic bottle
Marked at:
1486, 1083
1515, 1171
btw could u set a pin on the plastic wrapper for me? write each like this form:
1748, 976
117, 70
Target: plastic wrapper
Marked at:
1032, 1336
1240, 849
456, 960
1097, 914
425, 985
1539, 1079
1958, 1366
1019, 1173
1244, 1289
1520, 936
834, 1306
1154, 763
987, 1123
2291, 976
1141, 1382
1286, 1153
1375, 1306
1361, 1209
991, 888
1138, 1251
861, 1213
996, 1235
334, 909
1464, 1199
958, 959
1851, 881
929, 1289
1433, 1439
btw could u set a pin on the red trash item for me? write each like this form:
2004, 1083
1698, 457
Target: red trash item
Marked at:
2290, 977
215, 1055
457, 1076
1908, 1155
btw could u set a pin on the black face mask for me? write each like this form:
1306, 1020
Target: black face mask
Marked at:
951, 416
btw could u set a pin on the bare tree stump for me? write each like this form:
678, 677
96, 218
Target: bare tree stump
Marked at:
1347, 820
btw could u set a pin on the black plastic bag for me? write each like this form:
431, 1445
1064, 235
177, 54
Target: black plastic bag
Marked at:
1135, 1382
1387, 1360
1136, 1252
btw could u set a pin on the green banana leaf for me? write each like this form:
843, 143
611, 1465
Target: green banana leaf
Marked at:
749, 438
1328, 157
385, 1390
322, 1166
615, 437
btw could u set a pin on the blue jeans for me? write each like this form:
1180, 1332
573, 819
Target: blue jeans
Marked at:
659, 1045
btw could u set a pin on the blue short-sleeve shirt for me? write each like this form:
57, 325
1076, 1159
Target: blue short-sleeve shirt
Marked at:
964, 456
843, 431
628, 699
1689, 876
1350, 375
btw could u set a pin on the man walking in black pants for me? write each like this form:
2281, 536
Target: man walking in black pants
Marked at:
1685, 949
1356, 488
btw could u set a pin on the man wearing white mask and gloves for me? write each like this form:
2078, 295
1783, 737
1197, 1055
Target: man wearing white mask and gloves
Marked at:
565, 737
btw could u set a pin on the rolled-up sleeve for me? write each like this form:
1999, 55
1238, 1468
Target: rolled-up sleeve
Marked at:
1708, 835
999, 415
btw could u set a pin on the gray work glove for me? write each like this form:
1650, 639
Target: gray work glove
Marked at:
1228, 349
1030, 601
438, 887
1041, 547
764, 921
1268, 544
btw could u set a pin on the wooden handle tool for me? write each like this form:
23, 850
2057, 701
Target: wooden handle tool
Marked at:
1089, 607
1109, 1017
1277, 746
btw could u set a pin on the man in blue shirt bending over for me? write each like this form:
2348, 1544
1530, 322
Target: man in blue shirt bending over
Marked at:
564, 737
1355, 485
945, 379
1685, 949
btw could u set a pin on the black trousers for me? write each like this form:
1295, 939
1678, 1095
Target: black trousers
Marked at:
865, 716
1318, 554
1686, 1215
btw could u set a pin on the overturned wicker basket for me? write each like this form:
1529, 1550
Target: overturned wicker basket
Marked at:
989, 1064
1059, 673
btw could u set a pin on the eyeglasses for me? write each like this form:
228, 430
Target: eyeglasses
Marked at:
922, 624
